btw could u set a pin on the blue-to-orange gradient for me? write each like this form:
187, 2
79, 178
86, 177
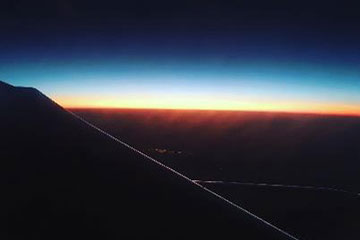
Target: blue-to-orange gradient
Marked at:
203, 83
247, 62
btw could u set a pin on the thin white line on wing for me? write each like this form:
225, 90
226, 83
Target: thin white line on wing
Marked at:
187, 179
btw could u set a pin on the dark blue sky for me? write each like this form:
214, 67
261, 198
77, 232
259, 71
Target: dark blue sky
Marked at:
214, 52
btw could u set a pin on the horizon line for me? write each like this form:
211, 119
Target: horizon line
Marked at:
333, 114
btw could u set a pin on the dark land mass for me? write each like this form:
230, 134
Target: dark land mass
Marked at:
244, 146
320, 151
61, 178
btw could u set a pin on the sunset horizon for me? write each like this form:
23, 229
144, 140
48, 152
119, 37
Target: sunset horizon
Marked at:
295, 108
192, 119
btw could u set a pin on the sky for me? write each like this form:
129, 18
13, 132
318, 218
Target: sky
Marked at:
227, 55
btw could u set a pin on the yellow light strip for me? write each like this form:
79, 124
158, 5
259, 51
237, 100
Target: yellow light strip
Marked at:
190, 103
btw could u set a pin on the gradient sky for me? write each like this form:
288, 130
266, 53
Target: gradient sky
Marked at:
237, 55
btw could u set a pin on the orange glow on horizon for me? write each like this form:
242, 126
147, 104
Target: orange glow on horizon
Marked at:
194, 103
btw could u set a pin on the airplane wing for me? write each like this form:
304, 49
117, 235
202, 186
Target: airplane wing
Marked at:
62, 177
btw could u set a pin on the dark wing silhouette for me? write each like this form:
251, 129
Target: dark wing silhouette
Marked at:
61, 178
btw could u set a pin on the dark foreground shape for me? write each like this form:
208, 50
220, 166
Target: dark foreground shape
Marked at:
61, 178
